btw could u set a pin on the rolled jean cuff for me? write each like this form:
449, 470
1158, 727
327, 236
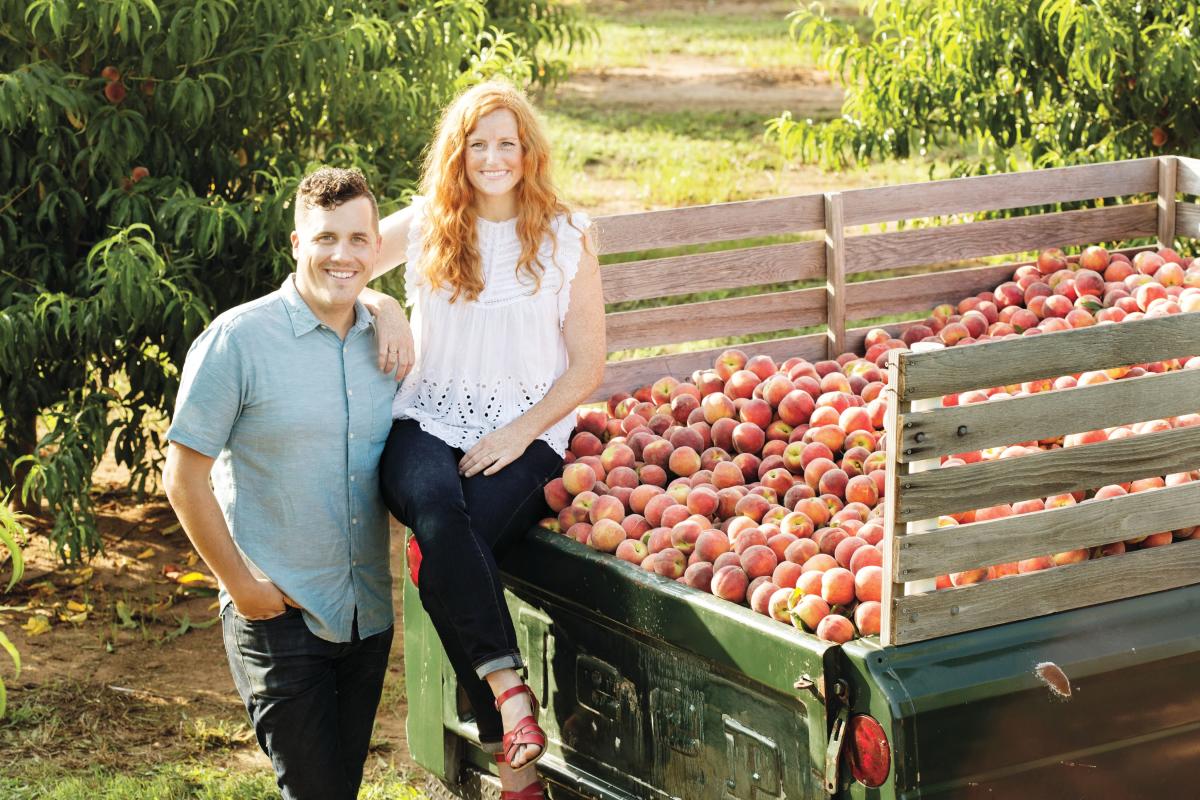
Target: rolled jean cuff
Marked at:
510, 660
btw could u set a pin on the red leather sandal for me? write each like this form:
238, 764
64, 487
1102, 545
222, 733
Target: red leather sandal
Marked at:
525, 732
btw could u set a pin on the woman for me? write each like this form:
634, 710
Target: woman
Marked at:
508, 330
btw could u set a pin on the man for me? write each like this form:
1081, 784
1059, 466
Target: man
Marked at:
281, 401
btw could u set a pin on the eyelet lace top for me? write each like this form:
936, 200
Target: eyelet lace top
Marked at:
481, 364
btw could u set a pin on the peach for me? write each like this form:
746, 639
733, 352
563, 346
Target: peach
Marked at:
865, 557
684, 535
777, 605
699, 576
606, 507
684, 461
837, 586
655, 507
578, 478
1035, 564
786, 574
580, 532
571, 515
868, 583
606, 535
862, 489
632, 550
829, 538
843, 552
760, 595
796, 407
868, 617
741, 384
586, 443
747, 537
673, 515
617, 455
710, 544
729, 583
730, 559
670, 563
556, 494
686, 437
748, 438
717, 406
754, 506
801, 551
835, 628
758, 560
821, 562
1052, 259
808, 612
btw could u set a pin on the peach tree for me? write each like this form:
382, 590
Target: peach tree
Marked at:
1048, 83
147, 152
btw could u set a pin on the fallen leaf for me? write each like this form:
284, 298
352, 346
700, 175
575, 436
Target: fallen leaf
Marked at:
193, 577
125, 614
167, 531
75, 618
75, 606
36, 625
147, 553
191, 560
84, 576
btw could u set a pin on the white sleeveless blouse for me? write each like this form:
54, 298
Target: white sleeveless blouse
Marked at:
481, 364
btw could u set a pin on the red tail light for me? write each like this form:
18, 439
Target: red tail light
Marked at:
414, 559
869, 753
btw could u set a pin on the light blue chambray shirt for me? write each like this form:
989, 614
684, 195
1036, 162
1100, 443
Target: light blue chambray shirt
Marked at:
296, 419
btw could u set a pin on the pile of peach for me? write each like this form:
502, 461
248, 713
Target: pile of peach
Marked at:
762, 482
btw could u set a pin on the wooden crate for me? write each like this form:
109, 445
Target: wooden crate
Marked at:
842, 250
912, 496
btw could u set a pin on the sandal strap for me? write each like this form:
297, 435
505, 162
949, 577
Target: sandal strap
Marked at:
533, 791
525, 732
516, 690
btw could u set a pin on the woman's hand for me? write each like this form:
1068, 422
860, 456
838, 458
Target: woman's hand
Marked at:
392, 333
495, 451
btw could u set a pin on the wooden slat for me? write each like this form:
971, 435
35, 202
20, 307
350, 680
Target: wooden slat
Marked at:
964, 428
1187, 221
946, 491
1188, 175
624, 233
1167, 169
628, 375
867, 299
892, 589
993, 192
1057, 530
880, 251
735, 316
1050, 355
703, 272
949, 611
835, 274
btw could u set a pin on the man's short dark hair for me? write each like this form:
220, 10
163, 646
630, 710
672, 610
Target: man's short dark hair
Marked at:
330, 187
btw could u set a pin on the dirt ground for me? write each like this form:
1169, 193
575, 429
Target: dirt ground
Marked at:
132, 667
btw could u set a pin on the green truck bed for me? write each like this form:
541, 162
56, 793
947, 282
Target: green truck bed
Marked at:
655, 690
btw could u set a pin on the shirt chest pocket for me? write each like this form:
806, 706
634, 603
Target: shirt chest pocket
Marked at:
382, 394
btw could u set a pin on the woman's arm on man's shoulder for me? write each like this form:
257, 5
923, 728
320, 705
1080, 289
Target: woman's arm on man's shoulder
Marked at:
393, 230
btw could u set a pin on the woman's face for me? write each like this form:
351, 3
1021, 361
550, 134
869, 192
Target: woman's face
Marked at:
494, 157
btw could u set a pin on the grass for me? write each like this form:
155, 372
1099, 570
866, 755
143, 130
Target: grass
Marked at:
719, 33
176, 781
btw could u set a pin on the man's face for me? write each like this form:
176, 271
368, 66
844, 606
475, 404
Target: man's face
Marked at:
335, 250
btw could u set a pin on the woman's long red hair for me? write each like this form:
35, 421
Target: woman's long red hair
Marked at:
451, 251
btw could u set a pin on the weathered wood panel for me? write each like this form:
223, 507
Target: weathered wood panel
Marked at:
1014, 361
946, 491
1187, 221
1167, 174
1057, 530
949, 611
892, 589
835, 274
1188, 175
735, 316
994, 192
868, 299
627, 375
624, 233
964, 428
897, 249
704, 272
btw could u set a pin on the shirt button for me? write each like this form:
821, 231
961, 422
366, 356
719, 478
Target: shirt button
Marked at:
354, 521
350, 393
352, 479
352, 436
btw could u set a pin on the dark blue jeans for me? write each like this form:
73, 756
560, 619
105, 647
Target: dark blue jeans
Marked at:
464, 526
312, 702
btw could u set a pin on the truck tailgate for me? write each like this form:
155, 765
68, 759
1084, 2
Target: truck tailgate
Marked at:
1100, 702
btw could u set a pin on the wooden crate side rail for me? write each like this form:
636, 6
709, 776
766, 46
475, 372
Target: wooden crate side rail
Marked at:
867, 299
626, 375
733, 316
1002, 363
899, 249
927, 495
995, 192
1046, 415
1057, 530
1187, 175
1168, 173
1187, 220
949, 611
703, 272
649, 230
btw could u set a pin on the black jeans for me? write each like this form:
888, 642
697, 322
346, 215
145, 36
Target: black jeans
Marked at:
312, 702
464, 526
